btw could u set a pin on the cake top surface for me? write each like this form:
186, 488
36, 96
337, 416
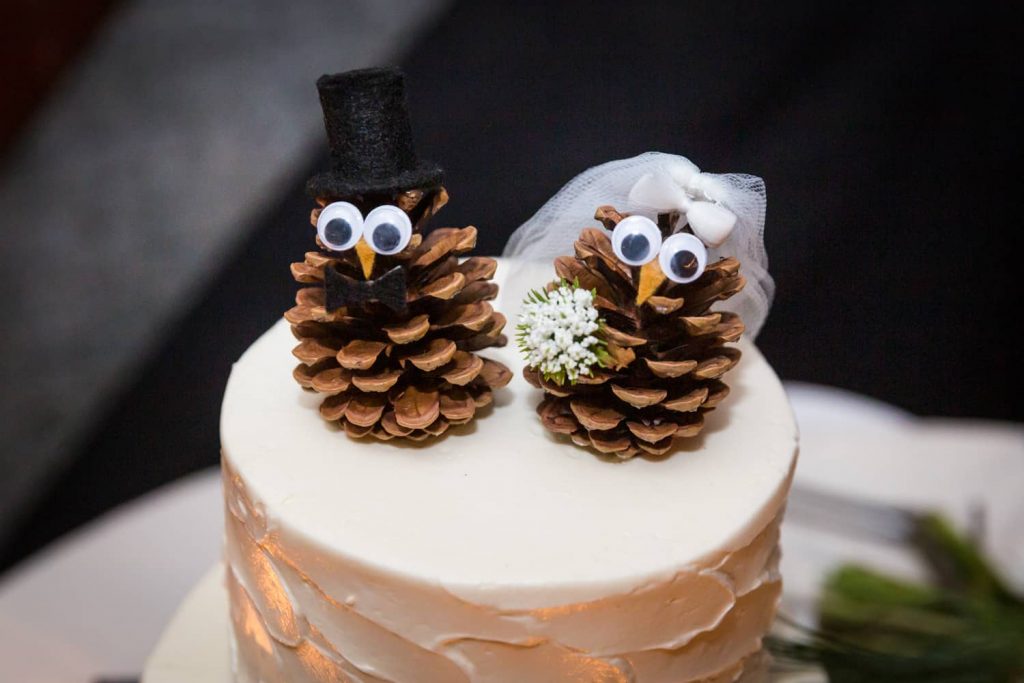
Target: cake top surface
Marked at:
503, 502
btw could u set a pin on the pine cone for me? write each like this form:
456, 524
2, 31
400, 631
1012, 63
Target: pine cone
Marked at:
410, 374
668, 354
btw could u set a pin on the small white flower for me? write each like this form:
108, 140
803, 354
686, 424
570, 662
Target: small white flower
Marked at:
557, 333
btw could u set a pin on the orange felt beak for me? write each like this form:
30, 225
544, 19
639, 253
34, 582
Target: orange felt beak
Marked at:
651, 277
367, 256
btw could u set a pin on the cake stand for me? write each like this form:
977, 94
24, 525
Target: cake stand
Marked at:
194, 648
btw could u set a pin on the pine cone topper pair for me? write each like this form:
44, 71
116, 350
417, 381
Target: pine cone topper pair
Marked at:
659, 351
412, 372
389, 320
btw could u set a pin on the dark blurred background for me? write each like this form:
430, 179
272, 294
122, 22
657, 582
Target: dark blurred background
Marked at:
152, 158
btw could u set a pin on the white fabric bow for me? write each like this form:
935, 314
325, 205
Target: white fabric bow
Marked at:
680, 186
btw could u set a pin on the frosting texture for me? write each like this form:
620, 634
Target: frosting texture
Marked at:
299, 616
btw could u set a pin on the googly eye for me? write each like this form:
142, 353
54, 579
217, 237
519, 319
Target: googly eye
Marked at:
339, 226
683, 258
636, 240
388, 229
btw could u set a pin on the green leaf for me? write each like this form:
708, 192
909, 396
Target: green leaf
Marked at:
957, 562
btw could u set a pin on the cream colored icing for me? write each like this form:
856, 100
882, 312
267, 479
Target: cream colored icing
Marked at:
499, 554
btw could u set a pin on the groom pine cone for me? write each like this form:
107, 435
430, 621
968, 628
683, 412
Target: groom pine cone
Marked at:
409, 374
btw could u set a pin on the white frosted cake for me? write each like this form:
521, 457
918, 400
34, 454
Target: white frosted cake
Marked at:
500, 553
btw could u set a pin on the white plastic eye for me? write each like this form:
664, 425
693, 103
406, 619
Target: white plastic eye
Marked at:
636, 240
388, 229
339, 226
683, 258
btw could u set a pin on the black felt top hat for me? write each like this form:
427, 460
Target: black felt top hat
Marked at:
368, 130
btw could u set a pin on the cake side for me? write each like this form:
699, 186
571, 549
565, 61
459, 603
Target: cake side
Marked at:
501, 554
298, 617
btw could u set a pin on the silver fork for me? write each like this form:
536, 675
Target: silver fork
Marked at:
889, 524
872, 521
851, 516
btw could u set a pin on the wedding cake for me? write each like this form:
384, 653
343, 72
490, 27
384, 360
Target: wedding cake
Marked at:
416, 503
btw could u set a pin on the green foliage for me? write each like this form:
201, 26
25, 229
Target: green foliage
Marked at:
878, 628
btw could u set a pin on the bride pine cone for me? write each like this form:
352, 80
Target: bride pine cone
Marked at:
667, 355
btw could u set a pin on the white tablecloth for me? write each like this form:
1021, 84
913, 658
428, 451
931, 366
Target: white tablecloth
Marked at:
95, 603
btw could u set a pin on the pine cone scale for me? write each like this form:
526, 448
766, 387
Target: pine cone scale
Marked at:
365, 409
443, 288
652, 433
687, 402
332, 381
670, 369
417, 409
373, 383
457, 406
436, 353
639, 397
463, 369
312, 351
664, 305
360, 354
621, 338
408, 331
333, 407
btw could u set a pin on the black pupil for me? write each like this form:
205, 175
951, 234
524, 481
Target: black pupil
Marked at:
338, 232
635, 247
386, 236
684, 263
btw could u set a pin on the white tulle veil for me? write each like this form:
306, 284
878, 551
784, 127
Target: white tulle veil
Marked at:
648, 184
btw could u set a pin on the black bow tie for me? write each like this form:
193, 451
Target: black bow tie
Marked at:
389, 289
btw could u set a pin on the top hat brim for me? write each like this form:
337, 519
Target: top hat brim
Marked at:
425, 175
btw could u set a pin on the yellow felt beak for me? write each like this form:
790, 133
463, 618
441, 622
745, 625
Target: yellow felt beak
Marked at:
651, 277
366, 257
